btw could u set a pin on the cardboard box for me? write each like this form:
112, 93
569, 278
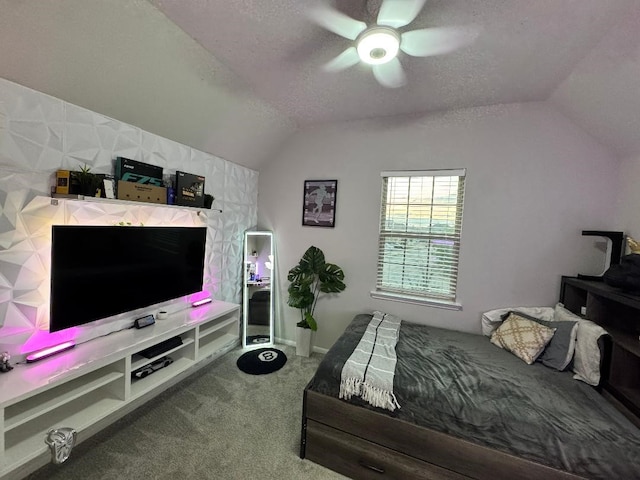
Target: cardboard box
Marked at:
63, 182
139, 192
189, 189
138, 172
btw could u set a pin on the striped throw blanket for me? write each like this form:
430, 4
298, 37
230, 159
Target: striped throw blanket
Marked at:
369, 371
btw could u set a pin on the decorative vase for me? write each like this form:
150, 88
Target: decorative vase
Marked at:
303, 341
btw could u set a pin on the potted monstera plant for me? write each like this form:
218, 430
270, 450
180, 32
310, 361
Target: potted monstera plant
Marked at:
309, 279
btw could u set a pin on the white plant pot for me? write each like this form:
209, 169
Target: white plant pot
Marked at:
303, 341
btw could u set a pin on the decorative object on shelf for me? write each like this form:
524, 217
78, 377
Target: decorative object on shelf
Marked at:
89, 182
262, 361
614, 250
626, 274
61, 442
208, 200
319, 203
63, 181
138, 172
189, 189
311, 277
109, 188
154, 366
140, 192
5, 366
634, 246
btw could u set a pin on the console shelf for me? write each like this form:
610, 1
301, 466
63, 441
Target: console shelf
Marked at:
91, 385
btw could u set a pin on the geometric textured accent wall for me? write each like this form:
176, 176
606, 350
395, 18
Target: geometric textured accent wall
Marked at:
40, 134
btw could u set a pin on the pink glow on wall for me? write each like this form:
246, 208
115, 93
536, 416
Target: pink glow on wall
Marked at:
197, 314
42, 339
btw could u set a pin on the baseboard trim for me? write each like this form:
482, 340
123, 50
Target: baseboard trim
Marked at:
292, 343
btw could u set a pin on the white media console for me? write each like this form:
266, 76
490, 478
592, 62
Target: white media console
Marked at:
90, 386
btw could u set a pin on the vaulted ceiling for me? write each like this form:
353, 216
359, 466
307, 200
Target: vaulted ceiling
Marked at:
583, 54
236, 77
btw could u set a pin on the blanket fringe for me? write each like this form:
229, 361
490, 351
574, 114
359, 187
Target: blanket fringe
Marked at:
375, 396
350, 387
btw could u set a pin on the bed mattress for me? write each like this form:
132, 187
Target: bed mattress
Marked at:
460, 384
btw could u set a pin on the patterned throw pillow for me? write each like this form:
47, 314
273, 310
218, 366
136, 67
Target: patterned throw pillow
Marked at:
524, 338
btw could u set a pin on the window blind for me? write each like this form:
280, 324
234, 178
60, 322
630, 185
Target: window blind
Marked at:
420, 226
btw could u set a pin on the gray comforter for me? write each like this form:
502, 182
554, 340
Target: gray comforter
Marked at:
461, 384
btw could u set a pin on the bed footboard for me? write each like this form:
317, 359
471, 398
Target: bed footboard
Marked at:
359, 442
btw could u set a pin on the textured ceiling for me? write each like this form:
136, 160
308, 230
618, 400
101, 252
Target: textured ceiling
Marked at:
524, 52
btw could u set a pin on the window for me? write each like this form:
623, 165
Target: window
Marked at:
419, 245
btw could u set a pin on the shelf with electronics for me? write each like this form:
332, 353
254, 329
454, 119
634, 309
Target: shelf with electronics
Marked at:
57, 196
134, 182
93, 384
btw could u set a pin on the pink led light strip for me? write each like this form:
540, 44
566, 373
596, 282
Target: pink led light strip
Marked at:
47, 352
201, 302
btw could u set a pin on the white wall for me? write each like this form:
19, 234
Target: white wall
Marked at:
40, 134
628, 207
534, 181
126, 60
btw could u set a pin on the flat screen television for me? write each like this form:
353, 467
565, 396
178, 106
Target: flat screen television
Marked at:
100, 271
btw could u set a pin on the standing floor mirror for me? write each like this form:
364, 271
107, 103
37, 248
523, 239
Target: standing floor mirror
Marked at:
257, 292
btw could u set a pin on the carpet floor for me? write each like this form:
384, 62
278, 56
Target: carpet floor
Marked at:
219, 423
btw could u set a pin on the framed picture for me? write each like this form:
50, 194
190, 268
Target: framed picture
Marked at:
319, 203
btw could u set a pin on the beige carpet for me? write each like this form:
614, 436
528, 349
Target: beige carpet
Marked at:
219, 423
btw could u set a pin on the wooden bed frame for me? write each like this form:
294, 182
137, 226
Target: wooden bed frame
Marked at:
362, 444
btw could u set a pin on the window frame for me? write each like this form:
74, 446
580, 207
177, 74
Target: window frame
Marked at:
449, 301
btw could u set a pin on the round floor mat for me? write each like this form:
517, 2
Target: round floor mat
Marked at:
262, 361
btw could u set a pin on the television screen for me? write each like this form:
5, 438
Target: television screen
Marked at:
100, 271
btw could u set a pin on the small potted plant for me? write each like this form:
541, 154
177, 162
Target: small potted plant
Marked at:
310, 278
89, 181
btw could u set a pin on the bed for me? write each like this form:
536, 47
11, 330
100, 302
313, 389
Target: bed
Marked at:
468, 410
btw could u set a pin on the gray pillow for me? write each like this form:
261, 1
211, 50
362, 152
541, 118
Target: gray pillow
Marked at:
559, 352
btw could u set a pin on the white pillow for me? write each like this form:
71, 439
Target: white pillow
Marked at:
493, 318
587, 355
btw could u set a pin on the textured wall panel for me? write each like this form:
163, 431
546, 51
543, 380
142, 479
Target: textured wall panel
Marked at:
31, 129
96, 140
39, 135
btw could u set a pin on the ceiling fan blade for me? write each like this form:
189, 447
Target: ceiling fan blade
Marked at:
346, 59
336, 22
436, 41
390, 74
398, 13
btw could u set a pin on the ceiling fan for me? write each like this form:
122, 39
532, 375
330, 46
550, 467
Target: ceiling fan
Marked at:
378, 44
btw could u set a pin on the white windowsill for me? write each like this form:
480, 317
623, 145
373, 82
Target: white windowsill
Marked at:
397, 297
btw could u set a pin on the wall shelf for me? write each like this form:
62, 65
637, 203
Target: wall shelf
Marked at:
60, 196
92, 382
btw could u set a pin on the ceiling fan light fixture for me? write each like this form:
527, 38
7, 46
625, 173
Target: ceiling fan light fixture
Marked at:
378, 45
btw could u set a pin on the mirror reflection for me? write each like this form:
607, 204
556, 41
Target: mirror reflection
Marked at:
257, 293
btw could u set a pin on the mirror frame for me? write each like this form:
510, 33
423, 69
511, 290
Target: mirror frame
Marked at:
245, 290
